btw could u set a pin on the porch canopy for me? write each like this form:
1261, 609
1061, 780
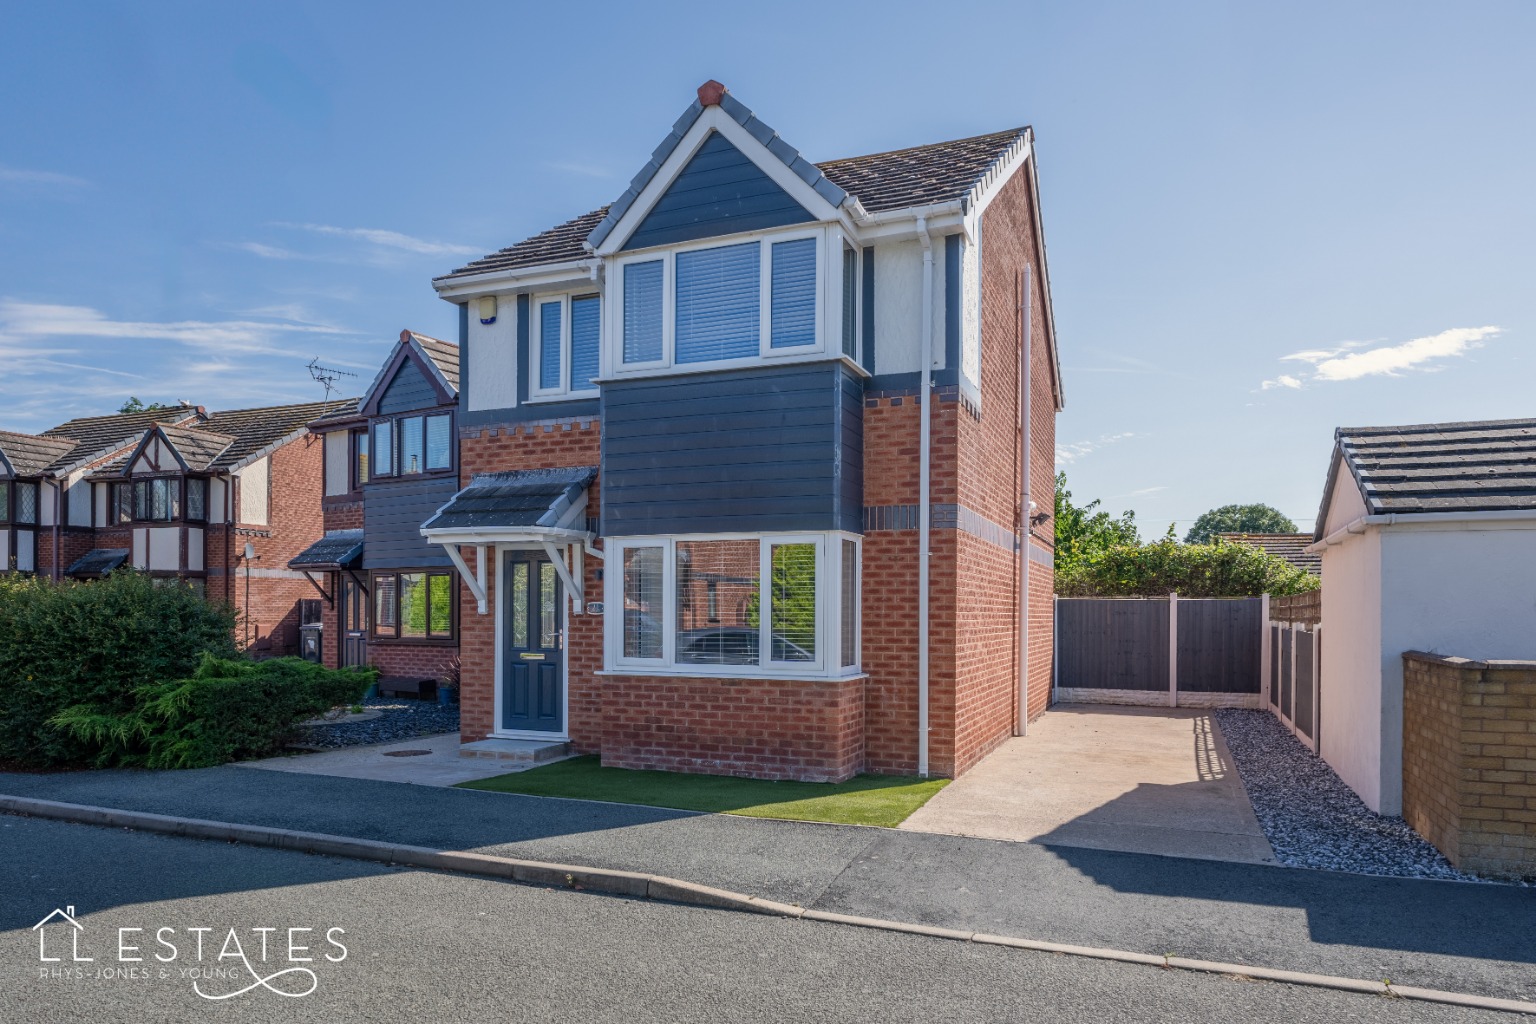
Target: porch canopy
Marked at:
540, 508
337, 551
97, 563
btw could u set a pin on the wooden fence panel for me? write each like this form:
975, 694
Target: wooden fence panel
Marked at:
1304, 682
1112, 643
1220, 644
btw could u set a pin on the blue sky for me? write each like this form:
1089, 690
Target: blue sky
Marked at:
1335, 199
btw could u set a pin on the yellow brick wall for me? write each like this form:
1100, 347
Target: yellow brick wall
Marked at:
1469, 760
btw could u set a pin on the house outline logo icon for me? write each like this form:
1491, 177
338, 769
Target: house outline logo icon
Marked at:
67, 914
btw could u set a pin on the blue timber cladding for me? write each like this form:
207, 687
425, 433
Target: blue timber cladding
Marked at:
952, 302
409, 390
763, 449
719, 192
393, 511
868, 290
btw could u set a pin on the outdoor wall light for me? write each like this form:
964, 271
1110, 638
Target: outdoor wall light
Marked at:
487, 309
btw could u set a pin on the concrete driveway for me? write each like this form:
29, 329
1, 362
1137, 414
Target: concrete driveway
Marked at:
1141, 780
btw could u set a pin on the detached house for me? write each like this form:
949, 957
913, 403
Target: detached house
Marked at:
219, 500
749, 462
390, 597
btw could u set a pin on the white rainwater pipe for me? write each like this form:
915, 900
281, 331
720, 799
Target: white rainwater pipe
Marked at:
1025, 509
925, 435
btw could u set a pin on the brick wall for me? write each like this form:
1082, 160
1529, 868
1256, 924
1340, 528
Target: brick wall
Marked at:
761, 729
1469, 760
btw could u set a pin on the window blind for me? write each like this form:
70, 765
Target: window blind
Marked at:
439, 451
717, 303
549, 344
585, 331
642, 312
794, 293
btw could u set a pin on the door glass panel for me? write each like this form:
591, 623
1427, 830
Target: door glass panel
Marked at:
548, 605
519, 604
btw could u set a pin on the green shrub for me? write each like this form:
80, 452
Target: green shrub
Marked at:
1222, 569
96, 643
230, 709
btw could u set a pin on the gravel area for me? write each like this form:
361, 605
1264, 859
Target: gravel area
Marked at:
400, 720
1311, 818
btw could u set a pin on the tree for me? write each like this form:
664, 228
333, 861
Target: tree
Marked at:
1238, 519
1083, 532
135, 405
1221, 569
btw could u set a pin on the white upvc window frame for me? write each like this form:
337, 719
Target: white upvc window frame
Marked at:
843, 240
536, 342
829, 584
828, 315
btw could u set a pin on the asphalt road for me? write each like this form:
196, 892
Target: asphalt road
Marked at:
422, 946
1447, 935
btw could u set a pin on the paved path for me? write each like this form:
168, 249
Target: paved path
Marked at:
1449, 935
431, 947
1142, 780
440, 766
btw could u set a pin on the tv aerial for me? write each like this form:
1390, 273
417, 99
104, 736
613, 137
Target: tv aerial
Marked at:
326, 376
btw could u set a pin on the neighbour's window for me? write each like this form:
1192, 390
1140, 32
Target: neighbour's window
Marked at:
383, 448
567, 344
359, 458
412, 445
413, 605
122, 503
439, 441
155, 501
729, 302
5, 504
197, 499
26, 504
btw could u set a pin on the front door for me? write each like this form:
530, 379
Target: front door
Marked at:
533, 676
354, 622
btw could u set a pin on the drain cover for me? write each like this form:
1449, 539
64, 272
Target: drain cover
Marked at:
405, 753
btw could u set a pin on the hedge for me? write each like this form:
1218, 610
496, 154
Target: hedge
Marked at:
228, 710
1222, 569
94, 643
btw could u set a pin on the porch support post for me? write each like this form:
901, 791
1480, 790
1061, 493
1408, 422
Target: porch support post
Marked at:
474, 580
1264, 651
574, 588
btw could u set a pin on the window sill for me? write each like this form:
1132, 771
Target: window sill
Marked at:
570, 396
413, 641
758, 676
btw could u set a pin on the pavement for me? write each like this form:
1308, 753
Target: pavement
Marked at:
422, 946
1141, 780
1448, 935
382, 762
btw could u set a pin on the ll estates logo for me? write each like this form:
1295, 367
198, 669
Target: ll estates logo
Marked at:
219, 962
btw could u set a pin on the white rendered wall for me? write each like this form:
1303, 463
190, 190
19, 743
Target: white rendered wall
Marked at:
218, 499
493, 356
338, 475
79, 501
46, 502
253, 492
165, 548
194, 549
1350, 708
899, 306
970, 313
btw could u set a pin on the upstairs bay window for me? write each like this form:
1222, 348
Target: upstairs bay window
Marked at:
720, 303
150, 501
566, 343
730, 606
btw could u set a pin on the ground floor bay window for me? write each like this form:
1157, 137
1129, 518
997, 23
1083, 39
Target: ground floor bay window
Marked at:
716, 605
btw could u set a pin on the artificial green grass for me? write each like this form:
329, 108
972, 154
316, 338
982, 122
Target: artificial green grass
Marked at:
884, 800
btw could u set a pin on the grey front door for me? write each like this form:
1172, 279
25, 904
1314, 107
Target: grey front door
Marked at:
353, 619
533, 677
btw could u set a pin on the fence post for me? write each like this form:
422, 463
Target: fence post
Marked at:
1173, 650
1055, 648
1264, 651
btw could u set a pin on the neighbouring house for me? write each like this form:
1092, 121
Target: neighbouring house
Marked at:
1428, 540
750, 461
1292, 547
220, 500
390, 598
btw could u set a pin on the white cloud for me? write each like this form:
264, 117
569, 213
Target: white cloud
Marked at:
1285, 380
1390, 360
23, 176
268, 252
388, 239
33, 321
1077, 449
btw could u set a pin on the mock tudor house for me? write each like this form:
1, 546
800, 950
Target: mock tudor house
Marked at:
747, 460
219, 500
390, 597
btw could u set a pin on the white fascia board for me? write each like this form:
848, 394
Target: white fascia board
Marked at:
901, 225
716, 119
505, 535
1512, 519
517, 279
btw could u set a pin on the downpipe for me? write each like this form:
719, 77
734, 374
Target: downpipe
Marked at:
925, 444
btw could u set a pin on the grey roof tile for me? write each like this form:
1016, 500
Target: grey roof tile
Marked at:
255, 430
1434, 467
527, 497
1289, 546
97, 562
32, 454
338, 549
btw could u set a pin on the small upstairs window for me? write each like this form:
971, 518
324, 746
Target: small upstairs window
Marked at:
566, 345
